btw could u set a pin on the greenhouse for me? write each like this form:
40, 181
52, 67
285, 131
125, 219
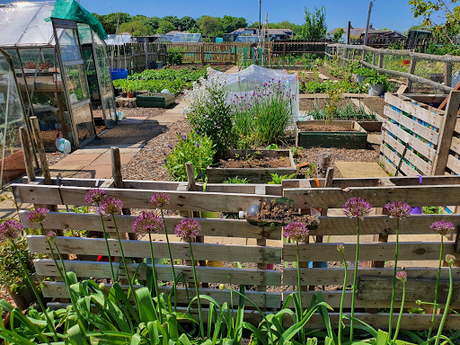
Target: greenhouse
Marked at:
65, 82
184, 37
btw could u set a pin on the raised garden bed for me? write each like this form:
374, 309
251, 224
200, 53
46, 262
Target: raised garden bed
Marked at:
342, 134
254, 165
155, 100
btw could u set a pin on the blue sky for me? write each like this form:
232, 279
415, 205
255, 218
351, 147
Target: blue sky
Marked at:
394, 14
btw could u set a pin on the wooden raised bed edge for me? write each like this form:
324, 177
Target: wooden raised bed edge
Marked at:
155, 100
254, 175
348, 139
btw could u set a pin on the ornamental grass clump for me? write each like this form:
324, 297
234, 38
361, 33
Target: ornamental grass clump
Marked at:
398, 210
355, 208
443, 228
188, 229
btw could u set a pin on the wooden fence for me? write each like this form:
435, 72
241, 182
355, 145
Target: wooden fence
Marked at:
263, 245
348, 54
419, 44
210, 53
135, 57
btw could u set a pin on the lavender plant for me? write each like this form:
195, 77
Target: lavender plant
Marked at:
398, 210
443, 228
355, 208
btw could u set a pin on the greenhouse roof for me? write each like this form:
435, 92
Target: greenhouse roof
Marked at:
247, 39
187, 37
118, 39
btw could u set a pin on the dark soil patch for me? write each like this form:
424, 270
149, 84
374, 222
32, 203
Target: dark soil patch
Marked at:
375, 104
323, 128
248, 162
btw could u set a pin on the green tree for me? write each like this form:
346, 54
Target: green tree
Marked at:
173, 20
230, 23
135, 28
110, 21
152, 23
314, 28
165, 27
187, 23
338, 34
210, 25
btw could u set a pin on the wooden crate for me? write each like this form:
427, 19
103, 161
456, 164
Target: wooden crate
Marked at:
356, 139
254, 175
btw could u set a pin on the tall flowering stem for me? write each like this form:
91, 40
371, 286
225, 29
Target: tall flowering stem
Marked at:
402, 276
341, 250
398, 210
443, 228
95, 197
160, 200
187, 230
355, 208
148, 222
450, 259
10, 230
297, 232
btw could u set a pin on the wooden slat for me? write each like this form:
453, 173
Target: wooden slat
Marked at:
183, 200
262, 300
455, 145
141, 249
209, 226
453, 164
334, 276
45, 267
377, 196
413, 251
414, 126
405, 168
415, 143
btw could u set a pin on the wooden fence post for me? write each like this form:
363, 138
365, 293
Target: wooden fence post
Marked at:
413, 62
28, 155
448, 73
446, 133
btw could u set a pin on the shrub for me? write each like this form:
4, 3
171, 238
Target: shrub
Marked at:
174, 56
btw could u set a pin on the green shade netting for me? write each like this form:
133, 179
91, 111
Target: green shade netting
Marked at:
72, 10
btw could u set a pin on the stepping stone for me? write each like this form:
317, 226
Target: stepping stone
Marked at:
360, 169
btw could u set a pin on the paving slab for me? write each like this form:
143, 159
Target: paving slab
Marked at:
82, 159
95, 171
66, 170
360, 169
106, 158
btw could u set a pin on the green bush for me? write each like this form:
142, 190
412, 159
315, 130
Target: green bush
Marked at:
174, 56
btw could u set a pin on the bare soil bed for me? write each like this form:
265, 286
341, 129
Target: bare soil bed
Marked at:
249, 162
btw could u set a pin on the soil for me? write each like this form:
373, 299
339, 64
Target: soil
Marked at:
249, 162
323, 128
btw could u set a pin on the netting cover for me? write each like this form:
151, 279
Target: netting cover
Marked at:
248, 80
187, 37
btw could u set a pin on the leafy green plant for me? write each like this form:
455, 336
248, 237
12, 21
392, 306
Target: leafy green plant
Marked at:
277, 179
378, 79
192, 147
236, 180
174, 56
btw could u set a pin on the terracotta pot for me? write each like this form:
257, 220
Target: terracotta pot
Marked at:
14, 166
130, 95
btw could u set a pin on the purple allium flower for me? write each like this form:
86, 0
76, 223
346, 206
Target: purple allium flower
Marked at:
296, 231
196, 131
51, 236
442, 227
159, 200
341, 248
197, 144
450, 259
402, 276
356, 207
95, 196
110, 206
184, 137
170, 146
38, 215
397, 209
147, 221
10, 229
187, 229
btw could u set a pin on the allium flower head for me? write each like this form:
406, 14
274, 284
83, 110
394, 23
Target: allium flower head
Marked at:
442, 227
159, 200
38, 215
402, 276
296, 231
51, 236
397, 209
110, 206
147, 221
450, 259
356, 207
187, 229
95, 196
341, 248
10, 229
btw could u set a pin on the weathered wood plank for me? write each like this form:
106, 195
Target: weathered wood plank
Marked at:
334, 276
405, 168
209, 226
453, 164
46, 268
377, 196
413, 251
141, 249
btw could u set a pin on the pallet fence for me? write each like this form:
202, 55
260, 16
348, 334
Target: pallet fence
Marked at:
135, 57
259, 247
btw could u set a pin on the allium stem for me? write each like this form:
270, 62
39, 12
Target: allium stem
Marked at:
342, 299
155, 282
197, 291
108, 250
393, 291
435, 306
353, 296
398, 325
446, 309
34, 289
171, 259
299, 288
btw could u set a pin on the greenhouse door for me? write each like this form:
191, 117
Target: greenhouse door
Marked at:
74, 81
